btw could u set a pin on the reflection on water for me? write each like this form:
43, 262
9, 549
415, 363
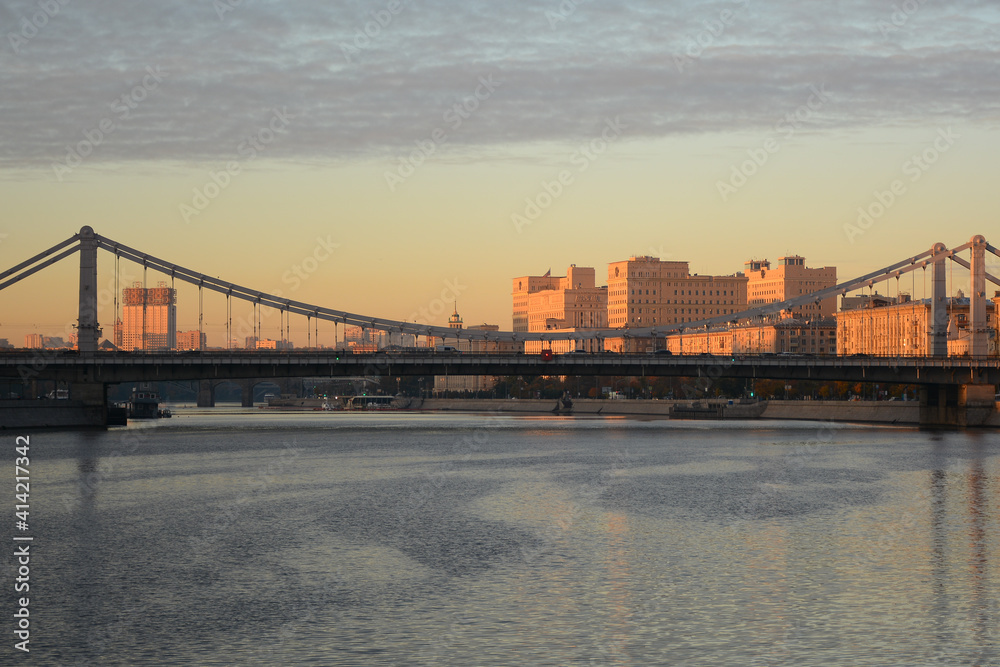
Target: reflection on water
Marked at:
334, 539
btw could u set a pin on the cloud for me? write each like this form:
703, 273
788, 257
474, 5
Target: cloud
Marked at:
367, 79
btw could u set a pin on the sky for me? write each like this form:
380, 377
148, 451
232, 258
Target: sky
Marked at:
392, 157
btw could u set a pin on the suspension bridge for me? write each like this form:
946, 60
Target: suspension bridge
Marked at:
954, 390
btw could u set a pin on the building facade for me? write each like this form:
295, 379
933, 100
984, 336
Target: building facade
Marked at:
191, 340
523, 288
790, 279
469, 383
561, 303
644, 291
903, 329
788, 336
149, 318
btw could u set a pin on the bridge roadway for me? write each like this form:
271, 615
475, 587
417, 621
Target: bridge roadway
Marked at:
115, 367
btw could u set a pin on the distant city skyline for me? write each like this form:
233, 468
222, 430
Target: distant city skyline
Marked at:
390, 157
274, 328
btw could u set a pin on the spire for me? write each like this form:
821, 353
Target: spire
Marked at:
455, 321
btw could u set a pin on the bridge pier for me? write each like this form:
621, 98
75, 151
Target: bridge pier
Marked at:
291, 387
246, 393
94, 397
956, 404
206, 394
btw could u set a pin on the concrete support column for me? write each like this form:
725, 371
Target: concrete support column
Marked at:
87, 329
956, 405
937, 343
291, 387
206, 394
247, 393
976, 403
977, 311
94, 397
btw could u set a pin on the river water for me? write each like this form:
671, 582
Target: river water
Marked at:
246, 537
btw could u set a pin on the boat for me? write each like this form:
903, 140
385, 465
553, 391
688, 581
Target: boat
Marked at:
144, 403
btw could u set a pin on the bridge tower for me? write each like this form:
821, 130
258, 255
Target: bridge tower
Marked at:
977, 310
937, 344
87, 331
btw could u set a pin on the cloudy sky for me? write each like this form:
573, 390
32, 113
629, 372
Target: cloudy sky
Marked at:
440, 143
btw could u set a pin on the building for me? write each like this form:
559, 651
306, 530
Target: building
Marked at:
787, 336
790, 279
524, 287
191, 340
562, 304
644, 291
903, 329
469, 383
875, 300
38, 342
149, 318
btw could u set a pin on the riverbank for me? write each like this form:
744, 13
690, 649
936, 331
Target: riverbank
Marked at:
868, 412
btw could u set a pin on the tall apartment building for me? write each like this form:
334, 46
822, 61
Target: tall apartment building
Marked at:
149, 317
791, 278
645, 291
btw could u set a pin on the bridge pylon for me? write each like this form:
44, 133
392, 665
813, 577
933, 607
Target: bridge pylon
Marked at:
87, 330
979, 345
938, 334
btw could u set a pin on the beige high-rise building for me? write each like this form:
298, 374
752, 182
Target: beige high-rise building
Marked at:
562, 304
524, 287
790, 279
646, 292
149, 317
573, 301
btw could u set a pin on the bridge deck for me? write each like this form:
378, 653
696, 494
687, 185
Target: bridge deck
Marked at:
113, 367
